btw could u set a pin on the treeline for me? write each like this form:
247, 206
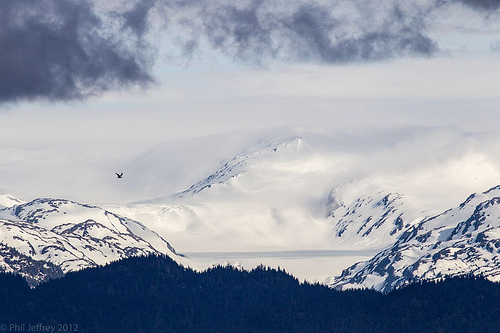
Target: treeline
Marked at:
154, 294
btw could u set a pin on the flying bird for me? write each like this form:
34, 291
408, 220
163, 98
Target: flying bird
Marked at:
119, 175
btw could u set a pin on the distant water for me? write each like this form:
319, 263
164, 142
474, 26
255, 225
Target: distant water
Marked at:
279, 254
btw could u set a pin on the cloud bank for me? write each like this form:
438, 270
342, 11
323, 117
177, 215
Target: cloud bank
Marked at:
330, 33
67, 49
64, 50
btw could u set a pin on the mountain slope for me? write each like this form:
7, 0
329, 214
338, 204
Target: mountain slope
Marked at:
465, 239
238, 164
63, 236
371, 220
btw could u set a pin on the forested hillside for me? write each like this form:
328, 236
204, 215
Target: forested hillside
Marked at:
154, 294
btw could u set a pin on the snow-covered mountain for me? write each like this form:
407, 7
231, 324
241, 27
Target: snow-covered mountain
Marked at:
46, 238
240, 163
290, 192
313, 193
287, 194
462, 240
273, 195
313, 204
383, 215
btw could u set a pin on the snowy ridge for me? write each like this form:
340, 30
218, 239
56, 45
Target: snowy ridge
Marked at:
371, 220
237, 165
462, 240
67, 236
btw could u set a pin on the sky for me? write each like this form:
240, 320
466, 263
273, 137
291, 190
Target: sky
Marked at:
89, 88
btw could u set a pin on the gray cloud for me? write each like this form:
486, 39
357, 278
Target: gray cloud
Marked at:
67, 49
261, 30
136, 18
63, 50
487, 5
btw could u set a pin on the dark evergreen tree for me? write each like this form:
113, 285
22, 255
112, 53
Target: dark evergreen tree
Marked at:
154, 294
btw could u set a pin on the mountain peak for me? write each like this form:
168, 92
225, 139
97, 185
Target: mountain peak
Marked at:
266, 148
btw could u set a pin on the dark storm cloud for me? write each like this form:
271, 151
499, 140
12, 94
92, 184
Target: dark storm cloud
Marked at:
262, 30
486, 5
67, 49
315, 30
63, 50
